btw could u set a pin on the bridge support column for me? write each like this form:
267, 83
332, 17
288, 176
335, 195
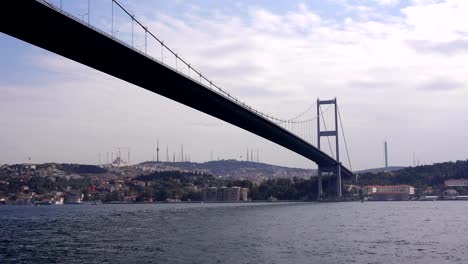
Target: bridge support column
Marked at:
334, 189
319, 184
339, 193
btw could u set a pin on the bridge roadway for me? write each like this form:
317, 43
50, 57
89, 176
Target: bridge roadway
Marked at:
42, 26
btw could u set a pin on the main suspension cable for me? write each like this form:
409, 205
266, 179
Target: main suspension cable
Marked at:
344, 138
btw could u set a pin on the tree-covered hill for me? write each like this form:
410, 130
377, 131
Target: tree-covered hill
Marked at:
420, 177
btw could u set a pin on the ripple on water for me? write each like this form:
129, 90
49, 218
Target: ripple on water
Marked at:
248, 233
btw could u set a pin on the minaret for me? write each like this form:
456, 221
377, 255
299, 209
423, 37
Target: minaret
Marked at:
157, 150
182, 153
167, 153
386, 155
128, 157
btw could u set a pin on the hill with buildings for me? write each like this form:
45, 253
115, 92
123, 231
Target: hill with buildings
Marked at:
225, 169
159, 181
428, 179
234, 169
54, 183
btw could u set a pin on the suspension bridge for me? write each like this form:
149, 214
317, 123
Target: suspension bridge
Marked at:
154, 66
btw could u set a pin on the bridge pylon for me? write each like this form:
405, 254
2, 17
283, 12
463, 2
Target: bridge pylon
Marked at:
328, 133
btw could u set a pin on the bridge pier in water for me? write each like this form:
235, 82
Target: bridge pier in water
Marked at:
332, 175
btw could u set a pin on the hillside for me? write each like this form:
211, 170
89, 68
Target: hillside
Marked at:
383, 169
233, 169
424, 178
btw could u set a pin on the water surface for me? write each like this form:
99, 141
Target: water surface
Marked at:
373, 232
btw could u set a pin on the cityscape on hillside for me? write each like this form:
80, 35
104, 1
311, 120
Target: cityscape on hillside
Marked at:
217, 181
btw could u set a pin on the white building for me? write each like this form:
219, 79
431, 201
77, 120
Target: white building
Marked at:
389, 192
456, 183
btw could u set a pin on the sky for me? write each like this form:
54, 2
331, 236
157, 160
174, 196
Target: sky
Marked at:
397, 68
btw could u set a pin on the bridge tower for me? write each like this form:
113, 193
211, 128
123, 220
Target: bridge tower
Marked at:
328, 133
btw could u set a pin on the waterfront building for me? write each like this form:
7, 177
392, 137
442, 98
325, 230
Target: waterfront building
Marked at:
368, 190
389, 192
74, 198
244, 194
225, 194
210, 194
456, 182
234, 193
58, 201
450, 194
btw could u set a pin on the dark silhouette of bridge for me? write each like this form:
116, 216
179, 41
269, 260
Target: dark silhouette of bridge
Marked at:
48, 27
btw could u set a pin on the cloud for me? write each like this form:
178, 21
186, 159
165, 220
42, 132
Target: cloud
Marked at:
371, 85
387, 2
424, 2
446, 48
440, 85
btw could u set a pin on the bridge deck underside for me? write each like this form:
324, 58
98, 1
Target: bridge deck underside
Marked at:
44, 27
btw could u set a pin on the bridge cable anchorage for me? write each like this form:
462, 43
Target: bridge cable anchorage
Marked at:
328, 138
344, 138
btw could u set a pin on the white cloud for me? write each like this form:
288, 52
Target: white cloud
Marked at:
387, 2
